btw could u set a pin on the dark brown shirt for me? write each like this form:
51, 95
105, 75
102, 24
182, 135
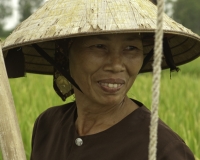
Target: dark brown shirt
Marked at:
54, 138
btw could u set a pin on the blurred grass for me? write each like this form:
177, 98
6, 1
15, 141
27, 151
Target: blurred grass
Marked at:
179, 101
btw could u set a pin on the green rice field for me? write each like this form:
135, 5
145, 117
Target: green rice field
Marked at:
179, 101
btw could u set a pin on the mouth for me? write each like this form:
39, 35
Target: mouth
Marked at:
111, 85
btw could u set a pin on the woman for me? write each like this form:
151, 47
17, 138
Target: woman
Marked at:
99, 51
103, 123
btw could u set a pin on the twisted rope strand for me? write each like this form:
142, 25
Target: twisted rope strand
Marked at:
156, 81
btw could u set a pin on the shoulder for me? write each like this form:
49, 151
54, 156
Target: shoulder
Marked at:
58, 110
52, 120
55, 114
165, 133
170, 145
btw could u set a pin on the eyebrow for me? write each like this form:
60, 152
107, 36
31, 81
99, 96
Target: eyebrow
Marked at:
131, 38
101, 37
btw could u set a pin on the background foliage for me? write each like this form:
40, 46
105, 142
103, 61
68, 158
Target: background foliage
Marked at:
27, 7
186, 12
5, 11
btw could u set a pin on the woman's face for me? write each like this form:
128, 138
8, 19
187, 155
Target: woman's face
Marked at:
105, 66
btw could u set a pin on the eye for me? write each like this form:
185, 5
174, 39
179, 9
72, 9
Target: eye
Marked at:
100, 46
130, 48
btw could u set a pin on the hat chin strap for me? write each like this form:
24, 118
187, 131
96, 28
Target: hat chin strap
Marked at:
52, 62
168, 57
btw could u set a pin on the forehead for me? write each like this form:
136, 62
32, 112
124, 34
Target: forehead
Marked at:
110, 37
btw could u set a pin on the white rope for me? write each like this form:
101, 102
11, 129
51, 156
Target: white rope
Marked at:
156, 81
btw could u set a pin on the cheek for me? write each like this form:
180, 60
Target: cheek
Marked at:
74, 66
133, 69
134, 65
81, 67
76, 69
140, 62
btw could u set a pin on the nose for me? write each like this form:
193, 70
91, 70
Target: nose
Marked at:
114, 63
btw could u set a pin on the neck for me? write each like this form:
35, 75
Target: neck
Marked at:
96, 118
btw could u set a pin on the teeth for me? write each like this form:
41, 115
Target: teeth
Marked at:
110, 85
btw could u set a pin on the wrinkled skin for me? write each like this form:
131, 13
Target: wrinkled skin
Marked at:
105, 67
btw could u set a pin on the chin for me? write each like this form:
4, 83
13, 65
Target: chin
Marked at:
112, 100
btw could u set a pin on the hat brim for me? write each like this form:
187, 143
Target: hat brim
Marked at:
54, 21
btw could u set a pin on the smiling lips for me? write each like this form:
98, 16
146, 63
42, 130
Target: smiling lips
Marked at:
111, 85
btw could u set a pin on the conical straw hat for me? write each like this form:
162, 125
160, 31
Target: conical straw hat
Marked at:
58, 19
